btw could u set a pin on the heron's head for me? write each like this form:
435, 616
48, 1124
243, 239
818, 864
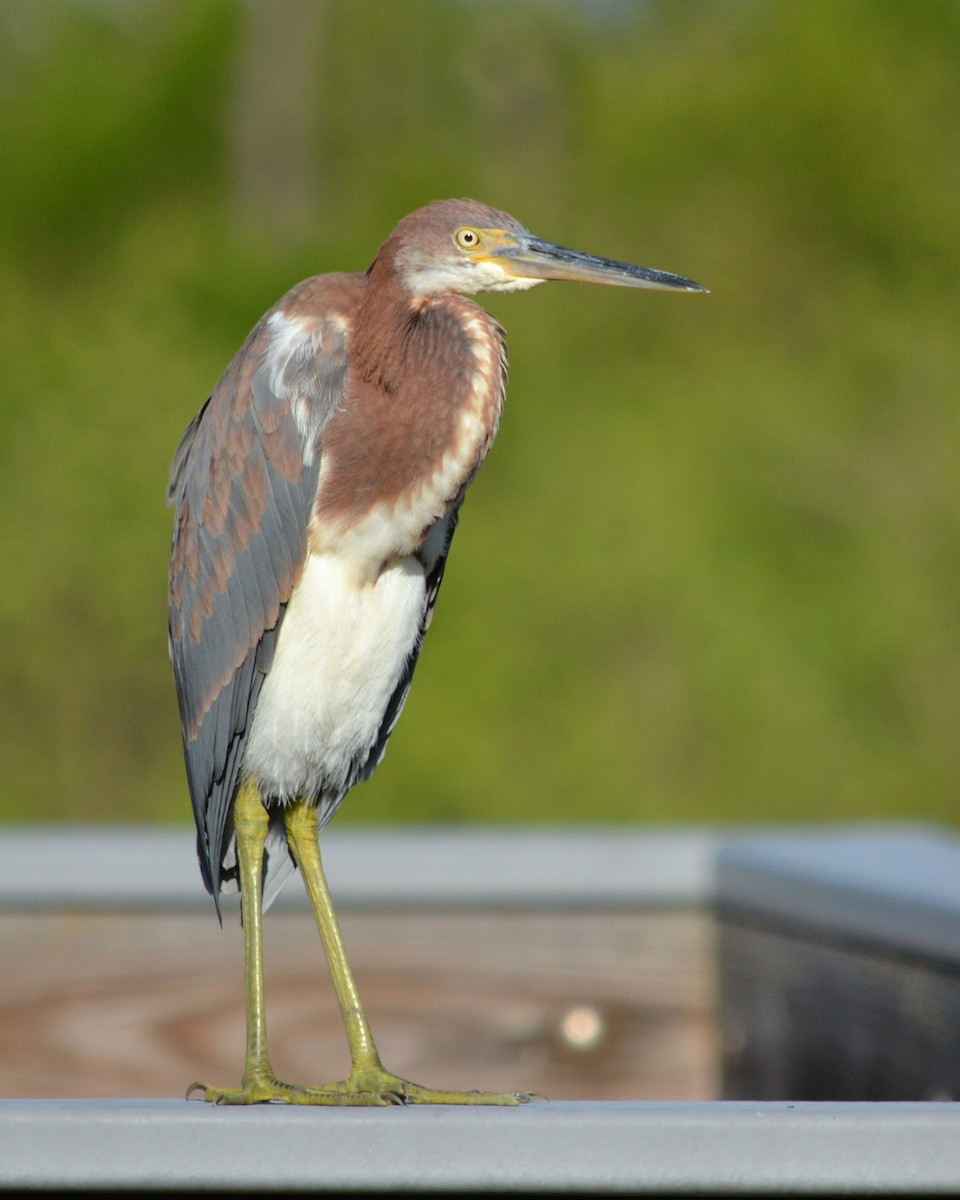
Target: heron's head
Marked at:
467, 247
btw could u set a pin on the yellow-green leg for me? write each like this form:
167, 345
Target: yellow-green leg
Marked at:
259, 1085
368, 1083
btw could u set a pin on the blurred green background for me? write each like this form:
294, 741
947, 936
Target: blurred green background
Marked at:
711, 570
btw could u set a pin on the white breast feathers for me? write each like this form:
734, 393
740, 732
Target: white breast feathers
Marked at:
341, 651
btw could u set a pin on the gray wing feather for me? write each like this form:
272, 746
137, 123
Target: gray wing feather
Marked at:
243, 482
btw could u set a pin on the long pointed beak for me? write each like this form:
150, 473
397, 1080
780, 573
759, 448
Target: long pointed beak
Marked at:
531, 257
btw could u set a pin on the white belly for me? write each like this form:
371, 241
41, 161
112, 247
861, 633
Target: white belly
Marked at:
341, 650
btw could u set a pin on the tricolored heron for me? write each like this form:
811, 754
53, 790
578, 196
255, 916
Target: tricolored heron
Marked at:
316, 495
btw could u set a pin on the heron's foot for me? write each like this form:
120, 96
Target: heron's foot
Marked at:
367, 1086
266, 1089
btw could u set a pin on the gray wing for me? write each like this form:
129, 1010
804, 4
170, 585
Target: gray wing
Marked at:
243, 483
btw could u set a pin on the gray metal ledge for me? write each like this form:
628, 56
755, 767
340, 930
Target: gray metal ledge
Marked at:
891, 877
466, 865
728, 1149
896, 886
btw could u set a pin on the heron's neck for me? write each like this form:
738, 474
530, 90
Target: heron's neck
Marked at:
405, 342
420, 409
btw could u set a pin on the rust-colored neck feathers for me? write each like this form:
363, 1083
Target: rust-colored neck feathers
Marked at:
421, 405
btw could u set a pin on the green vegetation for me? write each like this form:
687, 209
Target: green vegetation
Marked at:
711, 570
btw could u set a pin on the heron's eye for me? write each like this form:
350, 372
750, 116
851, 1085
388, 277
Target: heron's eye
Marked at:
467, 239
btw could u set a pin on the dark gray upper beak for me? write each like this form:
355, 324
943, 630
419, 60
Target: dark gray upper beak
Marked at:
532, 258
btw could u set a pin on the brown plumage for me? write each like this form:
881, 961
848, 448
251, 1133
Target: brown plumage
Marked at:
316, 494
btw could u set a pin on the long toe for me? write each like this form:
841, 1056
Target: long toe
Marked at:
415, 1094
396, 1090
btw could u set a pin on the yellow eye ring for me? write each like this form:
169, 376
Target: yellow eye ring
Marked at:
467, 239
